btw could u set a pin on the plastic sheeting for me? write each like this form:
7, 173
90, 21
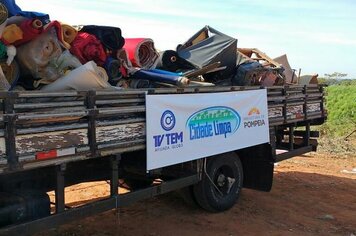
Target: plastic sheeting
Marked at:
37, 56
141, 52
208, 46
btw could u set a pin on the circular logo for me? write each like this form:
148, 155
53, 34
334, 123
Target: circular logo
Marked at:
168, 120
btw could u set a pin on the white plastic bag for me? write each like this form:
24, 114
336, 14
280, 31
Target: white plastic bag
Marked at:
86, 77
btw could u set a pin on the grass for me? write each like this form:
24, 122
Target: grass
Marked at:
341, 122
341, 107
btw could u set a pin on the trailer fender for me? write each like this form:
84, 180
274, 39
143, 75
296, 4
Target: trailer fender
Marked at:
258, 166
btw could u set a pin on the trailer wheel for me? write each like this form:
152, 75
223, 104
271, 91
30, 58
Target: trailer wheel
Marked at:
221, 183
22, 205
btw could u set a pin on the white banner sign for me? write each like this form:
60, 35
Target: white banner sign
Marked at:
185, 127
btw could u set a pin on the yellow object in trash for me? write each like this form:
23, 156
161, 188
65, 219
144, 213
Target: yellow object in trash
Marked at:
12, 33
69, 33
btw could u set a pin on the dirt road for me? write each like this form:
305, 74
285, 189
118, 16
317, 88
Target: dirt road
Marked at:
311, 195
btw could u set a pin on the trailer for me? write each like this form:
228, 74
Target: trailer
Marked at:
205, 142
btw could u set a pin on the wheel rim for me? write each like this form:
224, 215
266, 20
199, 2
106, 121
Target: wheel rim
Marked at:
224, 180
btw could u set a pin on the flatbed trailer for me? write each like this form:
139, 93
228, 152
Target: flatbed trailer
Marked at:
49, 141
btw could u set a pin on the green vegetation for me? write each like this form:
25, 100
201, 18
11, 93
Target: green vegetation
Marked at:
341, 106
335, 75
341, 121
345, 82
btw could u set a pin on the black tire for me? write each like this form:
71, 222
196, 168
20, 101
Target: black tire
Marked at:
23, 205
225, 171
37, 202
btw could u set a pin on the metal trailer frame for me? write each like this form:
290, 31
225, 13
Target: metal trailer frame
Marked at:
280, 97
115, 201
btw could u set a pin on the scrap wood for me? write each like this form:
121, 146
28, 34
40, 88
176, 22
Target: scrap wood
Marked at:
256, 55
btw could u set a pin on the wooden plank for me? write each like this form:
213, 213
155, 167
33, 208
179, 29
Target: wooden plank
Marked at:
121, 110
48, 105
39, 94
32, 143
279, 99
50, 115
122, 92
270, 94
120, 101
117, 133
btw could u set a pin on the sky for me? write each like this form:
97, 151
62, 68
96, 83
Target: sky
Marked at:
318, 36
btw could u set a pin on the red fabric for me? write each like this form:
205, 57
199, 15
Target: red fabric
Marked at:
141, 51
131, 46
29, 31
87, 47
58, 28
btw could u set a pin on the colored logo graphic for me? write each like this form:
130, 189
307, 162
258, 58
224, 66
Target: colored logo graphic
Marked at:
254, 111
254, 119
168, 120
213, 121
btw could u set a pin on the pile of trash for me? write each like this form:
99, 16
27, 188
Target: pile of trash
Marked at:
39, 54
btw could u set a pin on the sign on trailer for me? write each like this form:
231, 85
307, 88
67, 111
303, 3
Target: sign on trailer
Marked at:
185, 127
